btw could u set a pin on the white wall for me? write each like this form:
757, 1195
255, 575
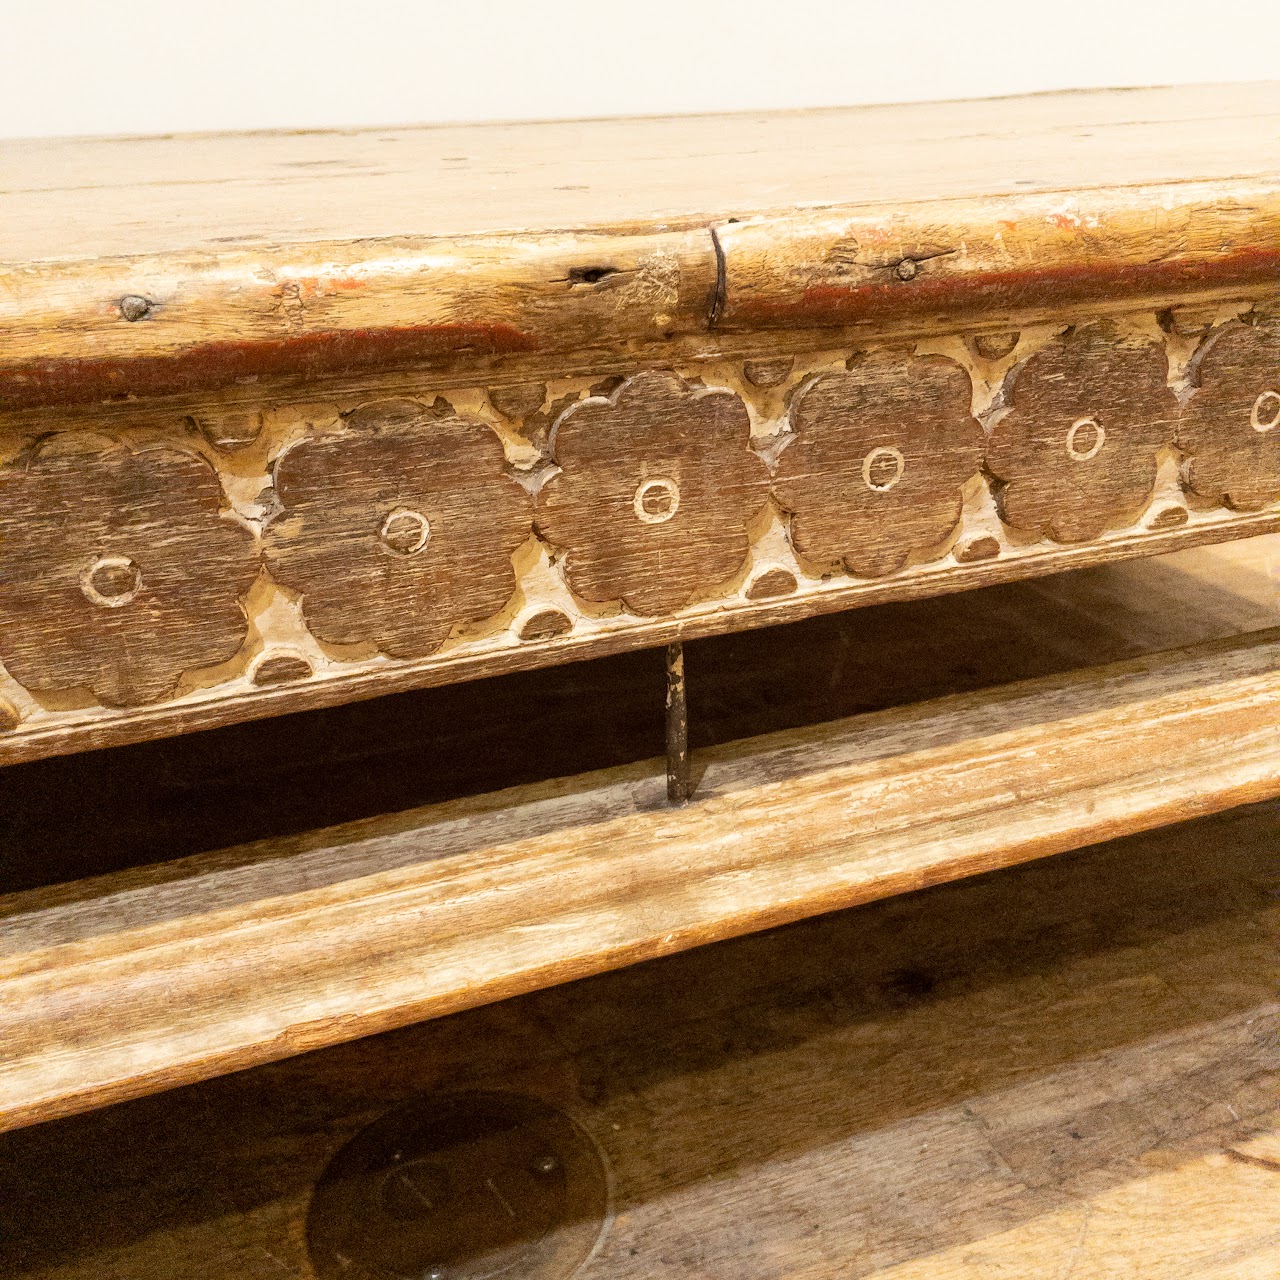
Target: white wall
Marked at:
132, 66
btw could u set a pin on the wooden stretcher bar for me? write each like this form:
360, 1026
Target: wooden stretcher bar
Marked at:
288, 420
144, 979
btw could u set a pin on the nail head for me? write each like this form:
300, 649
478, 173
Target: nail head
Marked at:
134, 307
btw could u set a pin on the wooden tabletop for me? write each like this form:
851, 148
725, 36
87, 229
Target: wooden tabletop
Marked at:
543, 247
104, 197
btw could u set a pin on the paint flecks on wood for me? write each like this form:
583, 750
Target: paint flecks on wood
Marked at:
1076, 452
1230, 427
879, 460
657, 485
397, 528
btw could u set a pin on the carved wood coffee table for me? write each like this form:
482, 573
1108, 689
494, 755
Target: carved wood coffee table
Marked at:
290, 420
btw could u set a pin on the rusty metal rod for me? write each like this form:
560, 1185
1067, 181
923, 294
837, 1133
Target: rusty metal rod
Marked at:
679, 785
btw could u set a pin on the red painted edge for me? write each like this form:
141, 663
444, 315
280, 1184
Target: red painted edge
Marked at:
830, 304
213, 365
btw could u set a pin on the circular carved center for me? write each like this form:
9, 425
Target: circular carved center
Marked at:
467, 1186
405, 532
111, 581
1266, 411
657, 501
882, 468
1085, 439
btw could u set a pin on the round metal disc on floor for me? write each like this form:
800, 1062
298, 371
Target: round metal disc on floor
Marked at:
460, 1186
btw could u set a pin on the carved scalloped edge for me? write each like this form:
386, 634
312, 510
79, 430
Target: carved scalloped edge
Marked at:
1169, 519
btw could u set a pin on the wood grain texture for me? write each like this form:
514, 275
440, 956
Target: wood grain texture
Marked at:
757, 262
397, 528
1064, 1068
119, 569
199, 793
399, 547
330, 256
656, 488
248, 957
1077, 450
1228, 427
41, 735
878, 462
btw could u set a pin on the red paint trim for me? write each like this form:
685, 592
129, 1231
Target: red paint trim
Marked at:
211, 366
829, 305
219, 364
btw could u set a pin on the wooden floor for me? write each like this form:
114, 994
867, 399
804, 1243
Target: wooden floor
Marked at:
1057, 1070
1060, 1071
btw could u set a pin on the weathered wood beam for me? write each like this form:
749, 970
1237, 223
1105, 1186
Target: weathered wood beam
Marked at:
225, 960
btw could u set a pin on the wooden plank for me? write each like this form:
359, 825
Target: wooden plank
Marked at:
1063, 1068
204, 190
239, 958
338, 254
752, 382
202, 792
361, 546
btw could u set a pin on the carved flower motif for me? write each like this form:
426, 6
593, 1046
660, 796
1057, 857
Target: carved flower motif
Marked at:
657, 486
1230, 426
118, 570
397, 528
879, 461
1076, 451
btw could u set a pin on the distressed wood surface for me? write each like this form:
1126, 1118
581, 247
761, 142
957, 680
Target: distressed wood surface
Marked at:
878, 462
1061, 1069
484, 399
655, 489
248, 955
550, 248
1075, 451
121, 569
410, 540
1228, 429
275, 778
397, 529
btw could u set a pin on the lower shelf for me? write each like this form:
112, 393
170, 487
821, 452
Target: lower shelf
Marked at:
1065, 1068
137, 981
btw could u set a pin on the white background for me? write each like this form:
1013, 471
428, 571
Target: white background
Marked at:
148, 66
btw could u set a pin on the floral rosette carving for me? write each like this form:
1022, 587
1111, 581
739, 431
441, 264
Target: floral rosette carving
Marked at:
397, 528
879, 461
119, 570
1076, 452
1230, 428
657, 485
